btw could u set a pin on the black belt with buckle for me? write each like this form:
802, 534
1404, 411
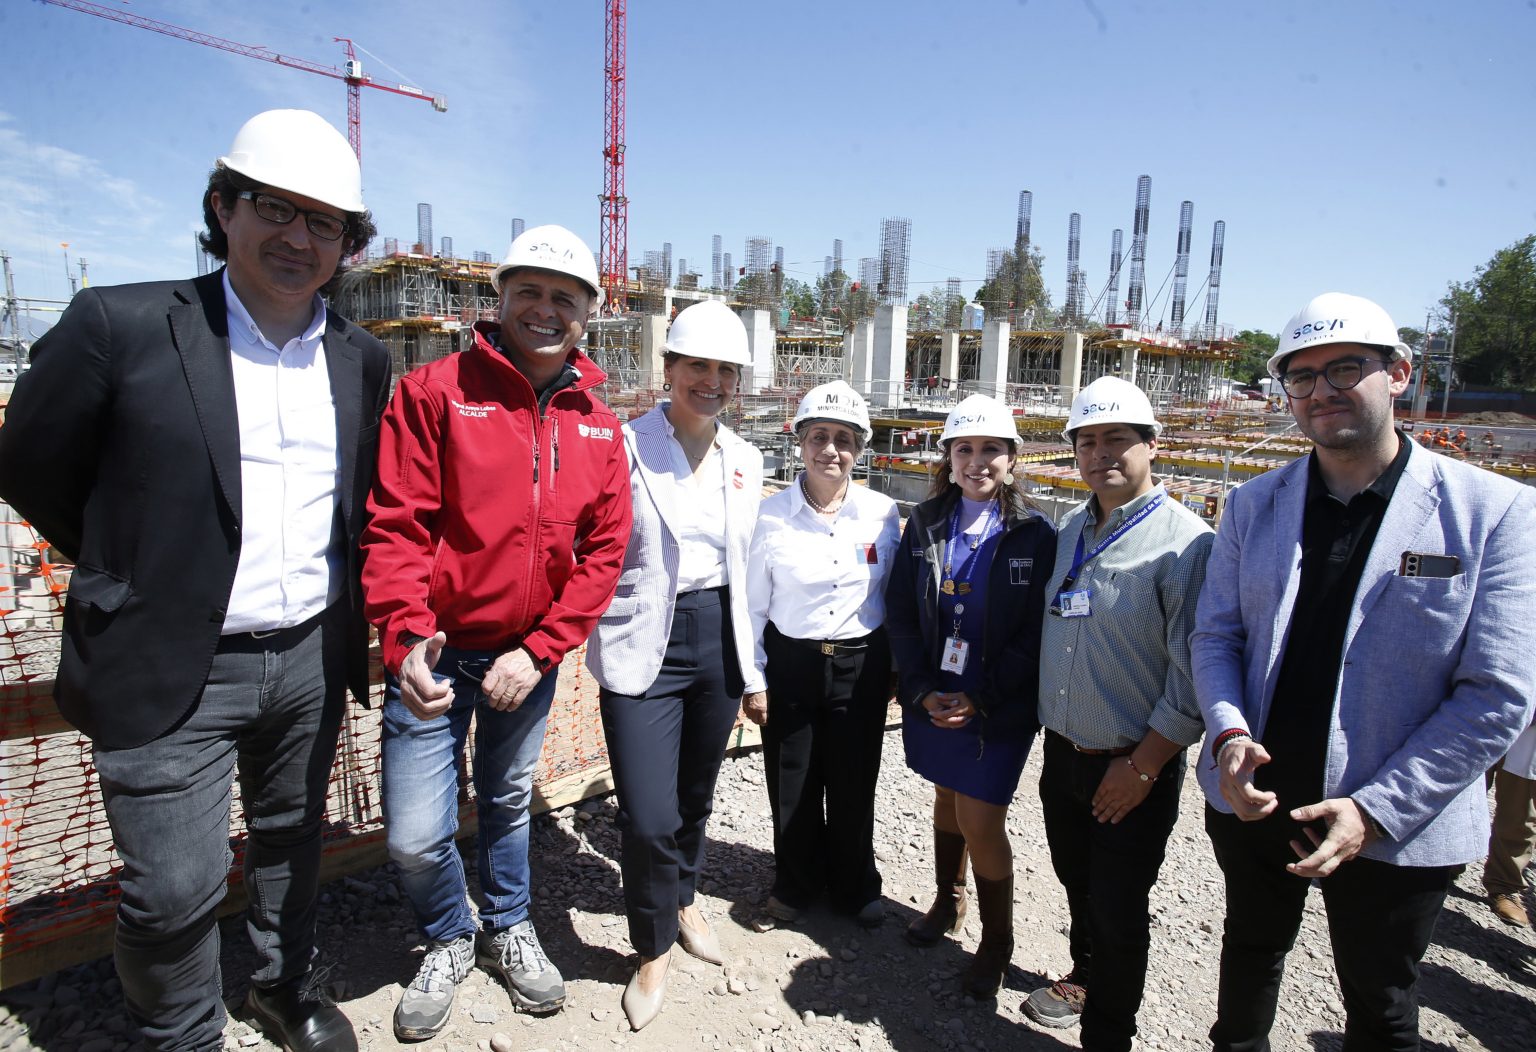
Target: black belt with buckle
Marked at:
1124, 750
831, 647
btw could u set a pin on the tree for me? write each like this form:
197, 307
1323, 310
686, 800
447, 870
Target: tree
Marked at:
1254, 349
799, 297
936, 309
845, 301
1001, 294
1495, 319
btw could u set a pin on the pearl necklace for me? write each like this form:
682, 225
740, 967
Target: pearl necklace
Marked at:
805, 491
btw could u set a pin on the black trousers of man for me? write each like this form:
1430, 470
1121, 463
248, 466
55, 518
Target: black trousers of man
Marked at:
1108, 870
821, 752
1380, 920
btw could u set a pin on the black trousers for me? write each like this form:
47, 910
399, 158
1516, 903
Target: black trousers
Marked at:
821, 753
1108, 872
1380, 920
665, 748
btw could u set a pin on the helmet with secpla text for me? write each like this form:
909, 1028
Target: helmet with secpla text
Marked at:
298, 151
555, 249
1110, 400
980, 416
837, 403
710, 330
1338, 317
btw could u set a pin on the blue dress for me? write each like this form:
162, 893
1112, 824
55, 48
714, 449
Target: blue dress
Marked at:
985, 766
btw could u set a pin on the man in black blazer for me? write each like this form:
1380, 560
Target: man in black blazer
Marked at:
202, 450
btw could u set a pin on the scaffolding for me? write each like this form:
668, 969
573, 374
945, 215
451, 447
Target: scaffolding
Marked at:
804, 360
616, 345
419, 306
1034, 357
1137, 293
895, 257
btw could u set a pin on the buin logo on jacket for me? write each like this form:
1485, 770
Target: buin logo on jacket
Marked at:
588, 431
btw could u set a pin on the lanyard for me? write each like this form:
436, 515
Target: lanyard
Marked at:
950, 586
1079, 559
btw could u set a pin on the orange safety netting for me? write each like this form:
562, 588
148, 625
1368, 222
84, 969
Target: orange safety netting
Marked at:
58, 870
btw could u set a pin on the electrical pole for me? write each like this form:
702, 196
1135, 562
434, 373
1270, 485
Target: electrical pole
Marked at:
1450, 369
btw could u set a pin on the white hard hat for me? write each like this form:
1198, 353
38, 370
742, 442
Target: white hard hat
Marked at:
980, 416
1110, 400
836, 402
551, 248
299, 151
712, 330
1338, 317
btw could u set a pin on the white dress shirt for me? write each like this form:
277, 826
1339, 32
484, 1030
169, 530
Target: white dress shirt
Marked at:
290, 566
701, 503
820, 578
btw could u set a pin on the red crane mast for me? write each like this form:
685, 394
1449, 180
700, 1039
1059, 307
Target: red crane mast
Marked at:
352, 73
613, 251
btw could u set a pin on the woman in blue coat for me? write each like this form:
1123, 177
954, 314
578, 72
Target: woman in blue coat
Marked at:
963, 610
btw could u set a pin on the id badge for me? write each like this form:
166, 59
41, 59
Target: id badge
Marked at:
956, 651
1076, 604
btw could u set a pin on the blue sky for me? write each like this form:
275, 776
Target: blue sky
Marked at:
1371, 147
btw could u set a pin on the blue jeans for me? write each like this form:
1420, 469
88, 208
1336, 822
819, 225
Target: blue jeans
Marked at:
421, 797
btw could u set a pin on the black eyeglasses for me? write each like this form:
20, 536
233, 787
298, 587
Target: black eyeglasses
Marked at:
1342, 374
277, 210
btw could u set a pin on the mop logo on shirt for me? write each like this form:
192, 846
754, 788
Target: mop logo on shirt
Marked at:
588, 431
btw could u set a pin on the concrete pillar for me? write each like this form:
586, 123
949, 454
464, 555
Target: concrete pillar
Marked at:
949, 356
858, 351
759, 374
653, 339
1128, 359
888, 356
992, 370
1071, 378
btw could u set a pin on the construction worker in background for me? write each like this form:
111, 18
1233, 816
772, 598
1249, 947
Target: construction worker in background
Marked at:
486, 561
1117, 702
1461, 438
201, 450
1337, 756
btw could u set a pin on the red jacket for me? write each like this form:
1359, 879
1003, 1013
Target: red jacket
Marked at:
497, 527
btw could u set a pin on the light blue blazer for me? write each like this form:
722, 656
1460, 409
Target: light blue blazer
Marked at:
624, 654
1437, 672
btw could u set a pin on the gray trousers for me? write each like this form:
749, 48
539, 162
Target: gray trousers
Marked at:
271, 710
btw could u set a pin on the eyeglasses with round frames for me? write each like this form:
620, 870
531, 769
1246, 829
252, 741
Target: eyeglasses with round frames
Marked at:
280, 211
1342, 374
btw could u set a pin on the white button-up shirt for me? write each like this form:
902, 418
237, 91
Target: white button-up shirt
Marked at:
701, 519
290, 566
819, 578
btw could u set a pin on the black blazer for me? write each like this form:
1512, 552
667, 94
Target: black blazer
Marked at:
121, 446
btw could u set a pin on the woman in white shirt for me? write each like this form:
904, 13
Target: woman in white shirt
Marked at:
673, 653
816, 588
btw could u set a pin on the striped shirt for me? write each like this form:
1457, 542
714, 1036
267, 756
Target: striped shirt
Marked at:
1107, 678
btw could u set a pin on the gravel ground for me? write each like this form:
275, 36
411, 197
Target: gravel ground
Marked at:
825, 984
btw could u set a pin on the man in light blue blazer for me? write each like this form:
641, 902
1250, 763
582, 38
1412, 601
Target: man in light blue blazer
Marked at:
1362, 656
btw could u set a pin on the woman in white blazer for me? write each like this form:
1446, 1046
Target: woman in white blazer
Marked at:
674, 652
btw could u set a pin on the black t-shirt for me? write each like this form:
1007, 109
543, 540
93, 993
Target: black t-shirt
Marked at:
1336, 539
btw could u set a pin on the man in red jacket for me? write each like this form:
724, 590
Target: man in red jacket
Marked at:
499, 518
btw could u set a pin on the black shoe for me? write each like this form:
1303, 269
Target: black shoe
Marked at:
298, 1022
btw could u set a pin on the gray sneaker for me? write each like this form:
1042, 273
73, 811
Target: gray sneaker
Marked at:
514, 955
427, 1002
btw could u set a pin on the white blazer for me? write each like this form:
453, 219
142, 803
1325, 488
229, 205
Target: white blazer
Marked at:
625, 653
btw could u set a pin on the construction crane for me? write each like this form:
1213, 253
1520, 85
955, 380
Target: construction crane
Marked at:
613, 246
352, 73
